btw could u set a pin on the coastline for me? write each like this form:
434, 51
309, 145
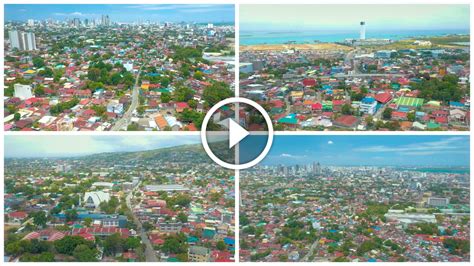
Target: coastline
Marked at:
282, 47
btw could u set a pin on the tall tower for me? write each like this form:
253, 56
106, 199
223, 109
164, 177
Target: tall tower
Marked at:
362, 30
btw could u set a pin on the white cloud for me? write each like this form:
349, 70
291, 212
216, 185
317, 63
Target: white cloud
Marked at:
75, 14
330, 142
447, 145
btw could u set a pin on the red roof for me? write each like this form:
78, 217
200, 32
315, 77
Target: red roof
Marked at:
346, 120
441, 120
309, 82
18, 215
337, 102
182, 105
383, 97
317, 106
396, 114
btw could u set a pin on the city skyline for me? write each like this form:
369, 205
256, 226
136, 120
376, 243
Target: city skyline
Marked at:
122, 13
389, 150
70, 146
335, 17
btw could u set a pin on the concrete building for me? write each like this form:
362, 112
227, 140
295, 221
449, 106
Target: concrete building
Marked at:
95, 198
368, 105
167, 188
362, 30
409, 218
23, 91
438, 202
199, 254
24, 41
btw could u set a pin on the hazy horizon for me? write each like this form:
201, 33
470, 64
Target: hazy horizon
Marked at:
125, 13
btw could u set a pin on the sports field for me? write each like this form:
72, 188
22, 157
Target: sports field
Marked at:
409, 101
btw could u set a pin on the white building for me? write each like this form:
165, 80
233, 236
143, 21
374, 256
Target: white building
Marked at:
94, 198
24, 41
23, 91
438, 202
362, 30
368, 105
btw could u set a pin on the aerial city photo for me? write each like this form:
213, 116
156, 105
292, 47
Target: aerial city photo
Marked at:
358, 67
77, 67
358, 199
116, 199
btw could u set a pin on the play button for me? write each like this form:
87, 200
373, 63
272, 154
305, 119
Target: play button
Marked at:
248, 147
236, 133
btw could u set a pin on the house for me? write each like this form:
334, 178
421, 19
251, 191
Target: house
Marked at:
346, 121
17, 216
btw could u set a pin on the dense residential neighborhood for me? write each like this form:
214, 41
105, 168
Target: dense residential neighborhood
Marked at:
317, 213
158, 205
98, 75
399, 85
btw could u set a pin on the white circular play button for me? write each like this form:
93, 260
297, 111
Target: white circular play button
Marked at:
235, 133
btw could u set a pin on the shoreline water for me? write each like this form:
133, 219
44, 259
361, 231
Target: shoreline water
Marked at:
249, 38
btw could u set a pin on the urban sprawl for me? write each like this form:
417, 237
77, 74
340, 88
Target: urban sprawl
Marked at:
160, 205
96, 75
354, 214
361, 84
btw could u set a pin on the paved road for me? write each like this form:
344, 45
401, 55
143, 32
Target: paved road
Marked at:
150, 254
311, 251
123, 122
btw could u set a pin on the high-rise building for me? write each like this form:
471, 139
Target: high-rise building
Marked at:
362, 30
76, 22
31, 22
14, 39
24, 41
105, 20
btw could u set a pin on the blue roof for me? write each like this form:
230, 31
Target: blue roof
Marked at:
404, 109
418, 113
457, 104
368, 100
229, 241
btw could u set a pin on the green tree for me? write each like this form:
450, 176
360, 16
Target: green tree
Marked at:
94, 74
198, 75
113, 244
165, 97
68, 244
39, 218
346, 109
71, 215
141, 110
220, 245
387, 113
216, 92
39, 91
87, 221
84, 253
182, 217
183, 94
17, 116
38, 62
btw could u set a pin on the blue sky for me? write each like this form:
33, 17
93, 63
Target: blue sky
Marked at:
347, 17
123, 13
370, 150
73, 145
